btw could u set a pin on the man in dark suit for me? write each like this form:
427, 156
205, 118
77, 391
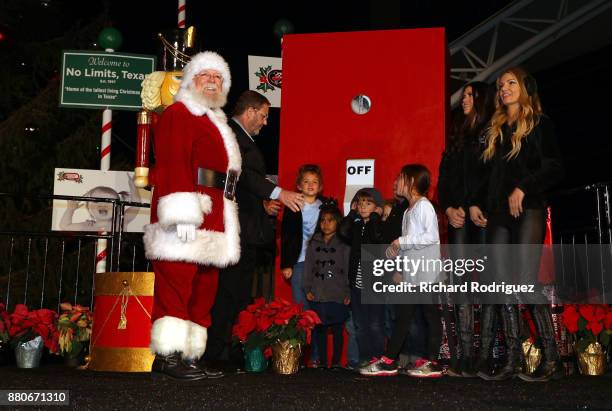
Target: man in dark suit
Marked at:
257, 198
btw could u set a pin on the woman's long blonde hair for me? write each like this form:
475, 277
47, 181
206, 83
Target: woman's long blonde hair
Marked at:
530, 111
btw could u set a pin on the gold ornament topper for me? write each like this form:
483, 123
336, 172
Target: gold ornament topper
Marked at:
189, 41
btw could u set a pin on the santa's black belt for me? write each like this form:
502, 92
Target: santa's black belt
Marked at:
222, 181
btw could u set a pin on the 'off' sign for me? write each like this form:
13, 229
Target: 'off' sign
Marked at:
360, 173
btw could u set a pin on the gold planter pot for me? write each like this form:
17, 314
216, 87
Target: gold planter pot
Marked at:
286, 357
532, 356
592, 361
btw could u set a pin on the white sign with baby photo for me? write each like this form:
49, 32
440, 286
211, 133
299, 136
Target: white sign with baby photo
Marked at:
83, 215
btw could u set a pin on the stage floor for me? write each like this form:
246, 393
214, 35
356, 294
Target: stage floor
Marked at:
309, 389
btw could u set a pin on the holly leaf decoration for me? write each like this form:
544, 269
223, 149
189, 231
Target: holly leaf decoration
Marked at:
264, 82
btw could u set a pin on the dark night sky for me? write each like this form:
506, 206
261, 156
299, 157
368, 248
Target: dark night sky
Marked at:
236, 29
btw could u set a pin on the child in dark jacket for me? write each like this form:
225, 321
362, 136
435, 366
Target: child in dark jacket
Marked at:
298, 228
326, 281
363, 225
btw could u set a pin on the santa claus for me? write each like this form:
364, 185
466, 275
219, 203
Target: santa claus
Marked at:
195, 227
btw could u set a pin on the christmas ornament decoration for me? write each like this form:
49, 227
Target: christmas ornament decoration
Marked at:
282, 27
110, 38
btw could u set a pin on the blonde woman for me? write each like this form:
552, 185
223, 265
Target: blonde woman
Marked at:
524, 164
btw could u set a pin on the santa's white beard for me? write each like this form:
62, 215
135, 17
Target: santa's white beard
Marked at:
217, 101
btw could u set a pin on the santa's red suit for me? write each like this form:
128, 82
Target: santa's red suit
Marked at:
189, 136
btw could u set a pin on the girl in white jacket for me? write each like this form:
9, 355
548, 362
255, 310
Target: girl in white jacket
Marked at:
420, 240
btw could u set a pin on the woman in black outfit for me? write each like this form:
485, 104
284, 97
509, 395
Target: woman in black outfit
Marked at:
459, 169
524, 162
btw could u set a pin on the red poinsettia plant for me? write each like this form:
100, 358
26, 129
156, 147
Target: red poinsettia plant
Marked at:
23, 325
74, 326
590, 323
260, 325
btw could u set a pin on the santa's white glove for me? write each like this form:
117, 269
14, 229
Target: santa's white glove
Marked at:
186, 232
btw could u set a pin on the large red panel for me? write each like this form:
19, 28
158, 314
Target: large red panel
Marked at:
402, 71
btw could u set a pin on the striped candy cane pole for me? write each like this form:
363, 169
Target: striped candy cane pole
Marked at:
105, 154
105, 148
181, 14
101, 256
107, 128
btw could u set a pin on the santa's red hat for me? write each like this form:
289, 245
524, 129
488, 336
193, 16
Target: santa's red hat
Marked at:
207, 60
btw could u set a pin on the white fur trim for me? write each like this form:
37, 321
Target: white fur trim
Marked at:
196, 344
169, 335
209, 248
183, 208
204, 61
217, 117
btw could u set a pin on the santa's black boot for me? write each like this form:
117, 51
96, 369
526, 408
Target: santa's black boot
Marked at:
202, 367
172, 366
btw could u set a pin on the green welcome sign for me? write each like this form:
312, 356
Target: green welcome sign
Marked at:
100, 80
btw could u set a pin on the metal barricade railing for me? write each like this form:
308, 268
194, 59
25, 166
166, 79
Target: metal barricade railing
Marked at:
582, 227
43, 268
583, 214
